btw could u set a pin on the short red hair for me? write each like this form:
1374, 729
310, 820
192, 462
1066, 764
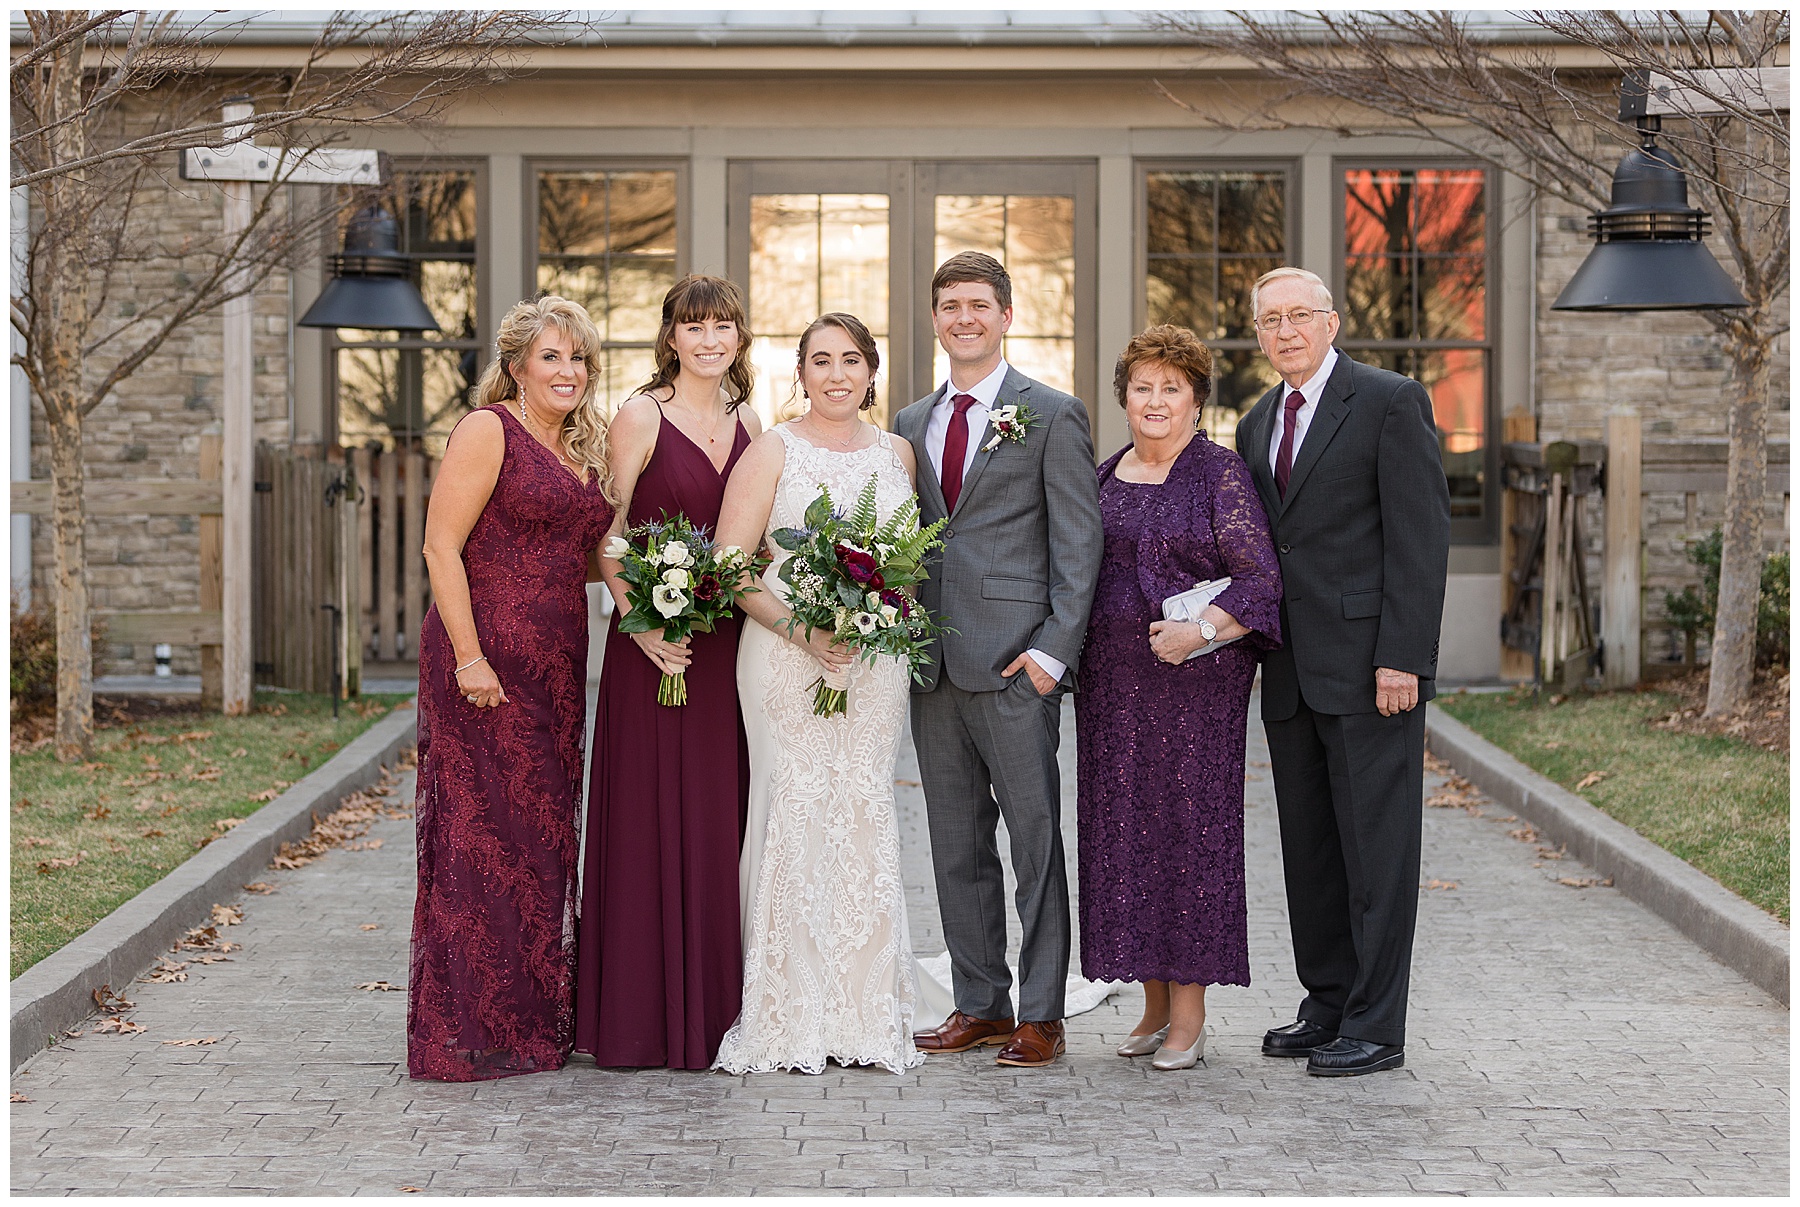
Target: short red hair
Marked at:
1171, 347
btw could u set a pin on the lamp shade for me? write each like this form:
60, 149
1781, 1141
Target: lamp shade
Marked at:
371, 285
1648, 251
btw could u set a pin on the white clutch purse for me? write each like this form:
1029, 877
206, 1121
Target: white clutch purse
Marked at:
1188, 606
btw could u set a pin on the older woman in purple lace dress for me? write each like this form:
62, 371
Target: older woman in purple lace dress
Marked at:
1161, 738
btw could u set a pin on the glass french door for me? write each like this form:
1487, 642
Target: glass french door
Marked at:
865, 237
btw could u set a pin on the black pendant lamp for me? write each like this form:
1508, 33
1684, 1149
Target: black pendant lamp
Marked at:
1649, 252
371, 282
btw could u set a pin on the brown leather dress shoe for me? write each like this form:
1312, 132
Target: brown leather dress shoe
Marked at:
960, 1032
1033, 1045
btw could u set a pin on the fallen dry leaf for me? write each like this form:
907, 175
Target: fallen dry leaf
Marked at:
1439, 884
112, 1003
29, 841
166, 972
267, 794
46, 866
1554, 745
198, 735
412, 1190
381, 987
240, 753
225, 824
1584, 882
152, 832
227, 915
202, 1042
369, 926
18, 1097
259, 886
1590, 779
97, 813
211, 960
1524, 833
120, 1026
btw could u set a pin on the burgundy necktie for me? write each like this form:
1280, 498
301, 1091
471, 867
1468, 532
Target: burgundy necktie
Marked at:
1284, 456
956, 448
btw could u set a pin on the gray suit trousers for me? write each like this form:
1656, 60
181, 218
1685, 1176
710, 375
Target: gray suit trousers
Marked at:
985, 755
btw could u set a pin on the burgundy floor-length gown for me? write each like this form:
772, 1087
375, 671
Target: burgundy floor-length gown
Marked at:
661, 958
493, 944
1160, 748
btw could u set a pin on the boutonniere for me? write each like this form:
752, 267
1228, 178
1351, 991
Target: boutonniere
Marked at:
1010, 423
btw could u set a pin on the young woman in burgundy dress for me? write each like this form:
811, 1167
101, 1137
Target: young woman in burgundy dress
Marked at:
517, 511
660, 951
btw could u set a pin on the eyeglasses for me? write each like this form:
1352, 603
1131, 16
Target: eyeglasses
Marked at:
1299, 318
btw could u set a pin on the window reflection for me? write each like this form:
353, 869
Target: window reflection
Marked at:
1415, 301
409, 390
811, 254
606, 239
1035, 238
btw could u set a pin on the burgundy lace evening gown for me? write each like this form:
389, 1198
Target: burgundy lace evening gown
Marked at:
493, 946
661, 957
1160, 748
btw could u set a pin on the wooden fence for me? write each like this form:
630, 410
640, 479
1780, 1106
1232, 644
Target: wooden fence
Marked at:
304, 592
390, 544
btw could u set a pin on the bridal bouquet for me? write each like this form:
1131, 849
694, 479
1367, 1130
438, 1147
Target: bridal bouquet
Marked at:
849, 575
680, 582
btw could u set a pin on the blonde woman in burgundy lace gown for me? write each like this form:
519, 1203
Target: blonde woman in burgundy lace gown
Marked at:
828, 966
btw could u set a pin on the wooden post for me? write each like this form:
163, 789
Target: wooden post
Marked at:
237, 455
351, 555
387, 540
1622, 577
212, 581
1551, 593
412, 551
362, 621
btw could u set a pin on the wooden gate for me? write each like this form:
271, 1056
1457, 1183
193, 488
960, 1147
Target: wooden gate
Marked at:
390, 549
305, 593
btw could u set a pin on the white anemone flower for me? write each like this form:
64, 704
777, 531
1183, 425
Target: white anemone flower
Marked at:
617, 548
677, 578
865, 622
668, 600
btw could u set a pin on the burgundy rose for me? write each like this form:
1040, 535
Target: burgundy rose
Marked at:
708, 588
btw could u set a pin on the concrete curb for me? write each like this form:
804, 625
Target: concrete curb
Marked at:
1723, 924
58, 991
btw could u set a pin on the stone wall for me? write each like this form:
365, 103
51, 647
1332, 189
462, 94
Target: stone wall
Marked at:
150, 426
1672, 368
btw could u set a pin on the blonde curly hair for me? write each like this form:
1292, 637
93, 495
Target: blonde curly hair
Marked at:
583, 434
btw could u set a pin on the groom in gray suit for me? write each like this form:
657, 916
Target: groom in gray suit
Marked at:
1015, 579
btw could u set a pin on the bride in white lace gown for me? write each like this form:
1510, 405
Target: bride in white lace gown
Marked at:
828, 967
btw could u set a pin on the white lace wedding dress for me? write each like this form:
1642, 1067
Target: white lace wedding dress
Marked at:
828, 967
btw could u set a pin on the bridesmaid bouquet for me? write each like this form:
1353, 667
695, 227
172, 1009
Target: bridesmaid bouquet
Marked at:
680, 582
849, 575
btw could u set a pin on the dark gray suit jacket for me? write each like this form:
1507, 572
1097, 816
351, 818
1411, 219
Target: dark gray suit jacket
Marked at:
1363, 537
1022, 551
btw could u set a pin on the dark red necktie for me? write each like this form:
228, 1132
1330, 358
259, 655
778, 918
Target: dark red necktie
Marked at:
956, 449
1284, 456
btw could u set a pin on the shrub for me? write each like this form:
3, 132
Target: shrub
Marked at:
1694, 611
33, 654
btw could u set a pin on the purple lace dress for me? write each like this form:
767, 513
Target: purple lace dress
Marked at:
1160, 782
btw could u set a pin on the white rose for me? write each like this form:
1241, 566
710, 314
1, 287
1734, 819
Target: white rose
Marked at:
873, 600
668, 600
890, 615
865, 622
730, 555
677, 578
617, 548
675, 553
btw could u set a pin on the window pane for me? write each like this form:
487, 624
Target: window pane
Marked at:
1451, 212
392, 396
1415, 254
1457, 381
1378, 298
1452, 297
1051, 361
622, 371
1252, 212
1235, 279
438, 212
634, 292
1179, 212
1240, 377
1181, 292
448, 287
969, 223
1034, 236
571, 213
582, 283
784, 262
642, 213
853, 244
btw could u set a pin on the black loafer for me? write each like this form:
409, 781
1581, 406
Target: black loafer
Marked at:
1346, 1057
1296, 1039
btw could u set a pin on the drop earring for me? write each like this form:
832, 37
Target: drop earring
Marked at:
522, 408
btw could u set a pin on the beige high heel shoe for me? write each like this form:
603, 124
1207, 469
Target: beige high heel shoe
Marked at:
1143, 1045
1167, 1058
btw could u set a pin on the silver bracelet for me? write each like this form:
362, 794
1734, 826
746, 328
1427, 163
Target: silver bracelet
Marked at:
459, 670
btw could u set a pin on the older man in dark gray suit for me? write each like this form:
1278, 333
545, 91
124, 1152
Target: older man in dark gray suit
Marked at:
1346, 459
1021, 556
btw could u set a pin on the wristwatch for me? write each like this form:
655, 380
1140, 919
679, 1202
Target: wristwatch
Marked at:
1209, 631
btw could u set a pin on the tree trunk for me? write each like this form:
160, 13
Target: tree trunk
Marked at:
61, 293
1740, 563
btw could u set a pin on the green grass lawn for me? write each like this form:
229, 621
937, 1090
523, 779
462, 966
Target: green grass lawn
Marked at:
87, 837
1717, 802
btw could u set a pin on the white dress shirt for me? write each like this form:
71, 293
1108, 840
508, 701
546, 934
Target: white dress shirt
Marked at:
984, 392
1314, 387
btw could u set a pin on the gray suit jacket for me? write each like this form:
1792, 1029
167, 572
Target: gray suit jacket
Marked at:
1364, 541
1022, 551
